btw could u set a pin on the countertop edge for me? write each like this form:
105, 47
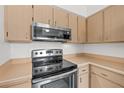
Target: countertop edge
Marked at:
102, 66
28, 77
108, 68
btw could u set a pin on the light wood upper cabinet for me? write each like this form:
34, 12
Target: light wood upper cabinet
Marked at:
73, 26
60, 17
18, 20
43, 14
95, 28
114, 23
81, 29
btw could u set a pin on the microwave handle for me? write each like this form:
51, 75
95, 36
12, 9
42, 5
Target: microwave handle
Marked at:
54, 78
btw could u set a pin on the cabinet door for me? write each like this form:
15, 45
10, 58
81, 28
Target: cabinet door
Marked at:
83, 81
95, 28
114, 24
43, 14
73, 26
81, 29
60, 17
18, 20
99, 82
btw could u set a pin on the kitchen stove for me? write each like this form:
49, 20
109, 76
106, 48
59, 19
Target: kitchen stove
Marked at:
48, 65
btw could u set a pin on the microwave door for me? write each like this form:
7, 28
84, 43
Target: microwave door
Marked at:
50, 34
40, 33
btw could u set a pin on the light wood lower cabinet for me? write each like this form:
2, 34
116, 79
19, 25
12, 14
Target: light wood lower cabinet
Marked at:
83, 81
22, 85
99, 82
103, 78
83, 77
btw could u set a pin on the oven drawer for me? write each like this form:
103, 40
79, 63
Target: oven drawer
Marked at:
112, 76
83, 69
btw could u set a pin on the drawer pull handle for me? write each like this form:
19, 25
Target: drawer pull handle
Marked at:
104, 74
49, 21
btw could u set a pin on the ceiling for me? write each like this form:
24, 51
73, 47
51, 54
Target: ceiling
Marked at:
84, 10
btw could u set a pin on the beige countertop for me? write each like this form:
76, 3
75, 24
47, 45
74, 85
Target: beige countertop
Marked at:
80, 60
15, 71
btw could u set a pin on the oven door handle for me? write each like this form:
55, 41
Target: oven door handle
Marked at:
53, 78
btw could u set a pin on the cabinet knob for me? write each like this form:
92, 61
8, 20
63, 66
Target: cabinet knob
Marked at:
7, 34
83, 70
49, 22
80, 80
104, 74
55, 23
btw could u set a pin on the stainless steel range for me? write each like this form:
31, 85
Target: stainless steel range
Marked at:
51, 71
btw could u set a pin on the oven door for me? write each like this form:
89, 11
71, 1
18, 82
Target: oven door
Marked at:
65, 80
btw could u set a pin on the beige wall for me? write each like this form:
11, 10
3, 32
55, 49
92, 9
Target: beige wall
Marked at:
110, 49
24, 50
4, 47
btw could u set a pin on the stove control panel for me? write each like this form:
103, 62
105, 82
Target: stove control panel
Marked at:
46, 53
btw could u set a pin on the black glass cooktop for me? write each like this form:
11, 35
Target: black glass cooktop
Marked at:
66, 66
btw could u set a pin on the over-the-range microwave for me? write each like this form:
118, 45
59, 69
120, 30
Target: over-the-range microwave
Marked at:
45, 32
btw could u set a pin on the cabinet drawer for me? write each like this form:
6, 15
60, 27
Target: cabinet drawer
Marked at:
99, 82
22, 85
83, 69
112, 76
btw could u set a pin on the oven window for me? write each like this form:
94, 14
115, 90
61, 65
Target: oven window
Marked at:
61, 83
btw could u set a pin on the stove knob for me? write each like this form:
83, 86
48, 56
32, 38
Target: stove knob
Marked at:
40, 52
57, 68
36, 53
41, 70
35, 71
